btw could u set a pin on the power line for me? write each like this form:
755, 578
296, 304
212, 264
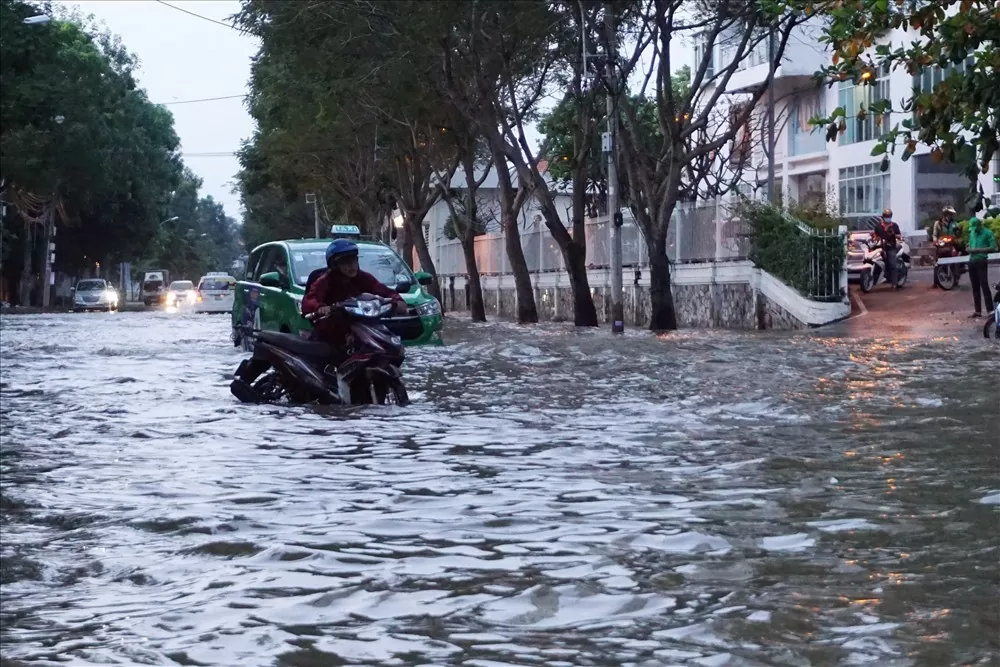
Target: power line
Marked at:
206, 99
227, 25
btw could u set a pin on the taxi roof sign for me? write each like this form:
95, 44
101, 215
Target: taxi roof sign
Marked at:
351, 230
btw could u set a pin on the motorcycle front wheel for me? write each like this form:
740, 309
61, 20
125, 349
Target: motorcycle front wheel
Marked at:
269, 387
991, 325
867, 281
901, 274
946, 277
392, 392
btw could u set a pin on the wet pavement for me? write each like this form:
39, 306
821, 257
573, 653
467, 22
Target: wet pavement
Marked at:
917, 310
552, 498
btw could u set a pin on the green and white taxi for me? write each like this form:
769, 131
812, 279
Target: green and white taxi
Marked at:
269, 297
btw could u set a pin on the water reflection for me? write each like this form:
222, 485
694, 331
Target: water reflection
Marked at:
553, 497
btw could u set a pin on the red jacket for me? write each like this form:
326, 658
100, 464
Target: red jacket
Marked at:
332, 287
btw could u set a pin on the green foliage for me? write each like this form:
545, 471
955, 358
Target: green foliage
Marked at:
780, 247
958, 117
992, 224
271, 210
202, 238
75, 129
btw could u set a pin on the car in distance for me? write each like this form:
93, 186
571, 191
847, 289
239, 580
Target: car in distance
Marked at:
94, 294
180, 293
215, 293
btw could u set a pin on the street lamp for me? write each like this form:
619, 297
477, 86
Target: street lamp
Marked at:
37, 20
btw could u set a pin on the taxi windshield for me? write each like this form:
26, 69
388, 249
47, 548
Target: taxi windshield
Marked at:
380, 261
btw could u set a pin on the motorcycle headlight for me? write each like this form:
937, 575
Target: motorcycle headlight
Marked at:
430, 309
366, 309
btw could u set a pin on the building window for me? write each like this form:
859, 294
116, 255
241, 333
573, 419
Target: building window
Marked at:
802, 137
930, 77
857, 99
864, 192
699, 54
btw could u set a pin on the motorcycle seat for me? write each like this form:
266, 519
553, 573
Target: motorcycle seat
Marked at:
296, 344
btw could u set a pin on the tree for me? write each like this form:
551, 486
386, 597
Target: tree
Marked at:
271, 210
685, 158
958, 115
80, 144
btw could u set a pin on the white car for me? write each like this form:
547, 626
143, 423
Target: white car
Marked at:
180, 293
215, 293
94, 294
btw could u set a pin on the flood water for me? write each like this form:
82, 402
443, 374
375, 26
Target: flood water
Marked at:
551, 498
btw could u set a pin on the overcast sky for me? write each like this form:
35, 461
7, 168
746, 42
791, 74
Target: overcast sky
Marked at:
182, 58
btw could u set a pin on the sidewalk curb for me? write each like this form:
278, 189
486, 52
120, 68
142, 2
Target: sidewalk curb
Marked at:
856, 298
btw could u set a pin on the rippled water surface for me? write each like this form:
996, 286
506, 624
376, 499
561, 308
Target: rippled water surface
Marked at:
552, 498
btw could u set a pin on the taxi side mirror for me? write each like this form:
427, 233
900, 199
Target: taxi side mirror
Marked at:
423, 277
274, 279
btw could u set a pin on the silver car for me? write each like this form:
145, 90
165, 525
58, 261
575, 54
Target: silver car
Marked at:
94, 294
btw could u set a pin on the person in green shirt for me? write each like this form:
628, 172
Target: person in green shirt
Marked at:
981, 243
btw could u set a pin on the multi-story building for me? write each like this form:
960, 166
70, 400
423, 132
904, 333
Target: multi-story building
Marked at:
844, 171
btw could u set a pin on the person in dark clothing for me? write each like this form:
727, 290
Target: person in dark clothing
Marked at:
981, 243
342, 280
888, 232
946, 225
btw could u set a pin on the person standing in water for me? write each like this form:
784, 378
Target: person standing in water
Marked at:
981, 243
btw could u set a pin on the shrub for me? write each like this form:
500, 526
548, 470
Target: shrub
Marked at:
809, 262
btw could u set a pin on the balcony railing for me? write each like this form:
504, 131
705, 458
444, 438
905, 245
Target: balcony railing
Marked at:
805, 142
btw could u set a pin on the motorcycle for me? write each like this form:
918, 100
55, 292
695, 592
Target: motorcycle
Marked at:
304, 371
993, 319
874, 264
947, 275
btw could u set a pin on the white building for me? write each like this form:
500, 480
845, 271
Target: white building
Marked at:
540, 250
846, 171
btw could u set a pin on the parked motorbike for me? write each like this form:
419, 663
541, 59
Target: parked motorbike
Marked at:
304, 371
993, 319
947, 275
874, 262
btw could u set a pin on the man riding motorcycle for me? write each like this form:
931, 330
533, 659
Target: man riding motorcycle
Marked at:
888, 233
343, 279
946, 225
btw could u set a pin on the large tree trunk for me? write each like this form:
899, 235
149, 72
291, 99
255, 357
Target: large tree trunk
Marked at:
477, 307
511, 204
527, 313
575, 256
415, 225
407, 251
663, 317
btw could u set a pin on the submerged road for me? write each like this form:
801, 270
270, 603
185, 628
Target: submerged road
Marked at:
552, 498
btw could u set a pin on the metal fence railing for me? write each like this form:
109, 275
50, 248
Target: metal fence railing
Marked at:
703, 231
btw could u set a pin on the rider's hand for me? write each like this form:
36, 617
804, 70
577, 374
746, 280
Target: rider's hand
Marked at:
323, 311
402, 308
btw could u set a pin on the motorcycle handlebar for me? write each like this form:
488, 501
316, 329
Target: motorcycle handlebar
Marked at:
341, 305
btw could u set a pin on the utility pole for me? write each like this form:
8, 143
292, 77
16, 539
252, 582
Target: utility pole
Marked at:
311, 199
770, 117
611, 146
48, 278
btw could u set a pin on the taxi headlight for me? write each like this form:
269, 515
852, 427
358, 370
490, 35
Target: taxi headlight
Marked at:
429, 309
